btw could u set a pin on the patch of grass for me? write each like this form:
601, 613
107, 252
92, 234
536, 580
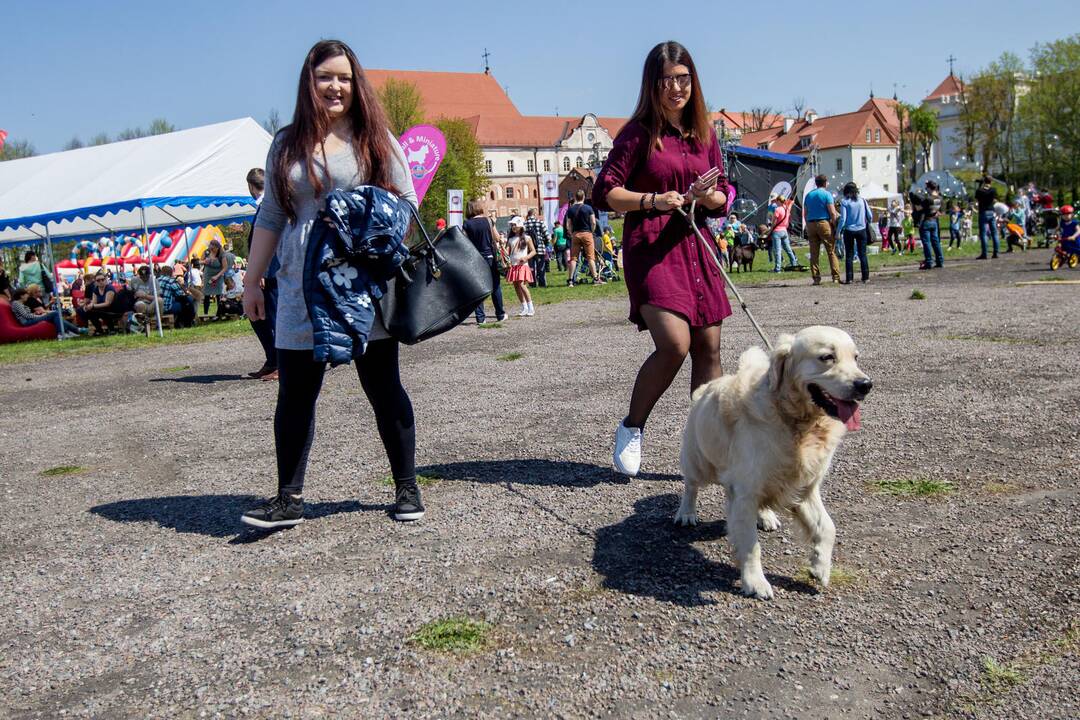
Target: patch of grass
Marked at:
1007, 340
996, 676
917, 294
996, 488
60, 470
1052, 278
898, 274
176, 368
509, 357
915, 487
841, 576
491, 326
453, 635
35, 350
421, 480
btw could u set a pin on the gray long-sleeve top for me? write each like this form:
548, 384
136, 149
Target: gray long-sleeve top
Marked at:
293, 329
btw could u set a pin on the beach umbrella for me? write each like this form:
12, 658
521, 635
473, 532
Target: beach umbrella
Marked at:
949, 185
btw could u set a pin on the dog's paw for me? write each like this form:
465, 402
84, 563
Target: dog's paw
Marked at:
767, 520
685, 517
821, 571
757, 587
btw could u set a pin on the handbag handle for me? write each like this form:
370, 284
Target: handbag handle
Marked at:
436, 260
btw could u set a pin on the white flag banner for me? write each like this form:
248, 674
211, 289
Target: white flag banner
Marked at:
549, 194
455, 208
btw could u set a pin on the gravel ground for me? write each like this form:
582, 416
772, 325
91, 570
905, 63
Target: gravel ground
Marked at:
130, 590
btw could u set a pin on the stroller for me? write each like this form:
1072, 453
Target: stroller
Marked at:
1050, 222
605, 268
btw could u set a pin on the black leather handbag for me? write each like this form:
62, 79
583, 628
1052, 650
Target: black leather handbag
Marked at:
442, 283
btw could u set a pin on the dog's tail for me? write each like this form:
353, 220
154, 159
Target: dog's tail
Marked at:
753, 362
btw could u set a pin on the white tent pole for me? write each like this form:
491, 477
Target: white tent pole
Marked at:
56, 295
153, 277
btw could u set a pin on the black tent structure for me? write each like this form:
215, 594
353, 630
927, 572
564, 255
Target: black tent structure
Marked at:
754, 172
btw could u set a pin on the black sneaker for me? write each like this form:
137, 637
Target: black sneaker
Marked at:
266, 369
407, 504
282, 510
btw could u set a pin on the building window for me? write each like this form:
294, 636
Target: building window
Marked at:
509, 166
487, 166
492, 194
547, 166
566, 164
530, 166
888, 158
867, 134
580, 162
535, 194
877, 136
510, 191
839, 164
862, 162
886, 186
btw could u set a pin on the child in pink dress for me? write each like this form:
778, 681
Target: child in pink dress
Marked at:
520, 274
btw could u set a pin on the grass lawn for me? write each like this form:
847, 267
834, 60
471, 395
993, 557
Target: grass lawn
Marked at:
44, 349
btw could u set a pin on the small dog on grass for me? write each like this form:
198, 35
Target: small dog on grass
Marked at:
741, 256
767, 434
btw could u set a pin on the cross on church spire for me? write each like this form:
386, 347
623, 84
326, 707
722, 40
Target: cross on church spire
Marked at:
487, 68
952, 59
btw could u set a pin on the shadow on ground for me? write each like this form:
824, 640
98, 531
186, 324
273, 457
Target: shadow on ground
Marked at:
212, 515
533, 471
201, 379
647, 554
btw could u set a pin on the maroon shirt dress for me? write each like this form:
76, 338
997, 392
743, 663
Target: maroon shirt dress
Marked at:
663, 262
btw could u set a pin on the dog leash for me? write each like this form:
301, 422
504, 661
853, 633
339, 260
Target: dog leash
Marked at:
708, 245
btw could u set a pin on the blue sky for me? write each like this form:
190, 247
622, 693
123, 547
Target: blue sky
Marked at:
79, 68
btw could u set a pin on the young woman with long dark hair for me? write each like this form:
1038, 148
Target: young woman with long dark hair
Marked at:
339, 138
676, 290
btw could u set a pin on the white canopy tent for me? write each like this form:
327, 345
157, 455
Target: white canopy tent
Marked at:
188, 177
873, 191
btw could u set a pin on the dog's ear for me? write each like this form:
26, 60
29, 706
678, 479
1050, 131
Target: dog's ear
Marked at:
778, 361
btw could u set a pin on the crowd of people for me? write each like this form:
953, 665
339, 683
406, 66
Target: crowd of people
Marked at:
111, 301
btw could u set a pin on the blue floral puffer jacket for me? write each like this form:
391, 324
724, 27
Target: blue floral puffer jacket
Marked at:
354, 248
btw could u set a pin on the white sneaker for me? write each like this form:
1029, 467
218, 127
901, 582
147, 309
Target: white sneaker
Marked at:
524, 311
530, 310
627, 456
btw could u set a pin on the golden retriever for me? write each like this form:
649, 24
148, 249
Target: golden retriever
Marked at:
768, 434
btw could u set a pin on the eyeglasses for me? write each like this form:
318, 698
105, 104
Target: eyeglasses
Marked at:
669, 81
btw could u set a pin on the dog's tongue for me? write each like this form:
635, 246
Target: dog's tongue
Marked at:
848, 413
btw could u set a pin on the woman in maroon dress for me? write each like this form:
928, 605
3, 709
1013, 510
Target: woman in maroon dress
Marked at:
676, 290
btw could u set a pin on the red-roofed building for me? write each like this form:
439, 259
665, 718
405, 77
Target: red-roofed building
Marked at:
860, 146
517, 148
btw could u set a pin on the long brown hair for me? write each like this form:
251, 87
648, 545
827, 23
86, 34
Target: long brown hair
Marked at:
649, 112
311, 124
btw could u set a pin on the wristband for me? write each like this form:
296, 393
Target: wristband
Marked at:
641, 201
652, 201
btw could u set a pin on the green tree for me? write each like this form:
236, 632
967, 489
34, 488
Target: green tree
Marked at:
100, 139
16, 149
403, 104
1051, 108
462, 169
160, 126
923, 131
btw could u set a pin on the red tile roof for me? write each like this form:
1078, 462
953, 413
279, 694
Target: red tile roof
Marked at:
741, 121
887, 108
452, 94
825, 132
949, 86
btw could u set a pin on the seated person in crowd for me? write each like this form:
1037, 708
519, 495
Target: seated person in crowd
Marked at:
25, 316
100, 306
175, 299
34, 300
142, 288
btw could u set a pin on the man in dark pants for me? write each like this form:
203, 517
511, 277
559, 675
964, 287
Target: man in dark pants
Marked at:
264, 329
986, 196
535, 228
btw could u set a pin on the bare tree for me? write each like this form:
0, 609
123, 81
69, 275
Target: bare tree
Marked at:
798, 105
272, 123
16, 149
74, 143
761, 117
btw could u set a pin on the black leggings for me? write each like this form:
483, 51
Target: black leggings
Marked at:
300, 379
